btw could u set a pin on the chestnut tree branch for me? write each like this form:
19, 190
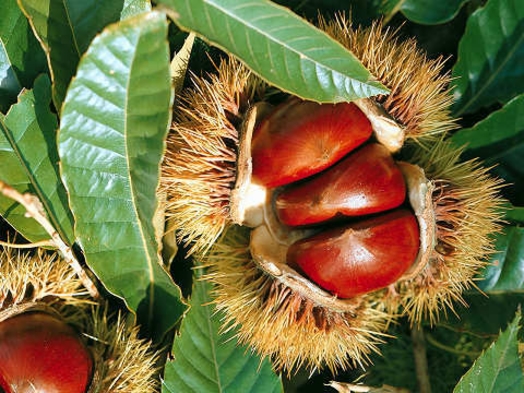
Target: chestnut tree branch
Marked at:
35, 210
421, 361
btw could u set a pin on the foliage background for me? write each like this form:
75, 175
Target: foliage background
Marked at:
77, 132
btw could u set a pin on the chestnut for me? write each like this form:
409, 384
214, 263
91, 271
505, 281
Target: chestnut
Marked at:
358, 258
41, 353
301, 138
367, 181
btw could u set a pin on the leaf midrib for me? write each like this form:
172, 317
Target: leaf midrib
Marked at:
213, 349
501, 359
271, 38
73, 32
39, 193
151, 298
394, 10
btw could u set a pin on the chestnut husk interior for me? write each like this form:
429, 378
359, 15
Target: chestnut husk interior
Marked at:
251, 205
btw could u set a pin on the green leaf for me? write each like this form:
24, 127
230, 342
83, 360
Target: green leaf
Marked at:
29, 133
504, 127
490, 57
21, 58
498, 368
208, 362
499, 141
9, 84
484, 315
134, 7
13, 173
429, 12
114, 122
515, 214
65, 28
506, 270
279, 46
180, 62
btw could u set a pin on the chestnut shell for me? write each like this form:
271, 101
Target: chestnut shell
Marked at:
358, 258
365, 182
39, 352
301, 138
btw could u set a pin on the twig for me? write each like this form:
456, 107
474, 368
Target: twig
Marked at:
437, 344
421, 361
343, 387
42, 243
35, 210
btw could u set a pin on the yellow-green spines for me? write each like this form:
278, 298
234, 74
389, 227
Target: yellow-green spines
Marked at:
29, 278
125, 362
42, 281
419, 99
199, 170
279, 323
468, 212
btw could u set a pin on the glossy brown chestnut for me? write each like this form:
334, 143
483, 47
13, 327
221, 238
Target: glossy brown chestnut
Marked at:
358, 258
301, 138
40, 353
367, 181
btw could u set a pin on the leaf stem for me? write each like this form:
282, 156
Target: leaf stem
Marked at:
421, 361
35, 210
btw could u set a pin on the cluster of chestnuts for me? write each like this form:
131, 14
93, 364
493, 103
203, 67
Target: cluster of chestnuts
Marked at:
320, 223
317, 223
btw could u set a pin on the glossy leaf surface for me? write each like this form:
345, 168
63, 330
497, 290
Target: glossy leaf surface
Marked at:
28, 133
21, 58
279, 46
10, 86
423, 11
134, 7
498, 140
498, 368
505, 126
207, 361
65, 28
490, 57
506, 270
515, 214
15, 176
114, 122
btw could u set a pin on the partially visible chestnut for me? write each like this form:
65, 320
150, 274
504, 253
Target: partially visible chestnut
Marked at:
358, 258
367, 181
40, 353
301, 138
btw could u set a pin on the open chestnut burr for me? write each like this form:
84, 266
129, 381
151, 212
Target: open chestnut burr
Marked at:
320, 223
55, 338
339, 196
